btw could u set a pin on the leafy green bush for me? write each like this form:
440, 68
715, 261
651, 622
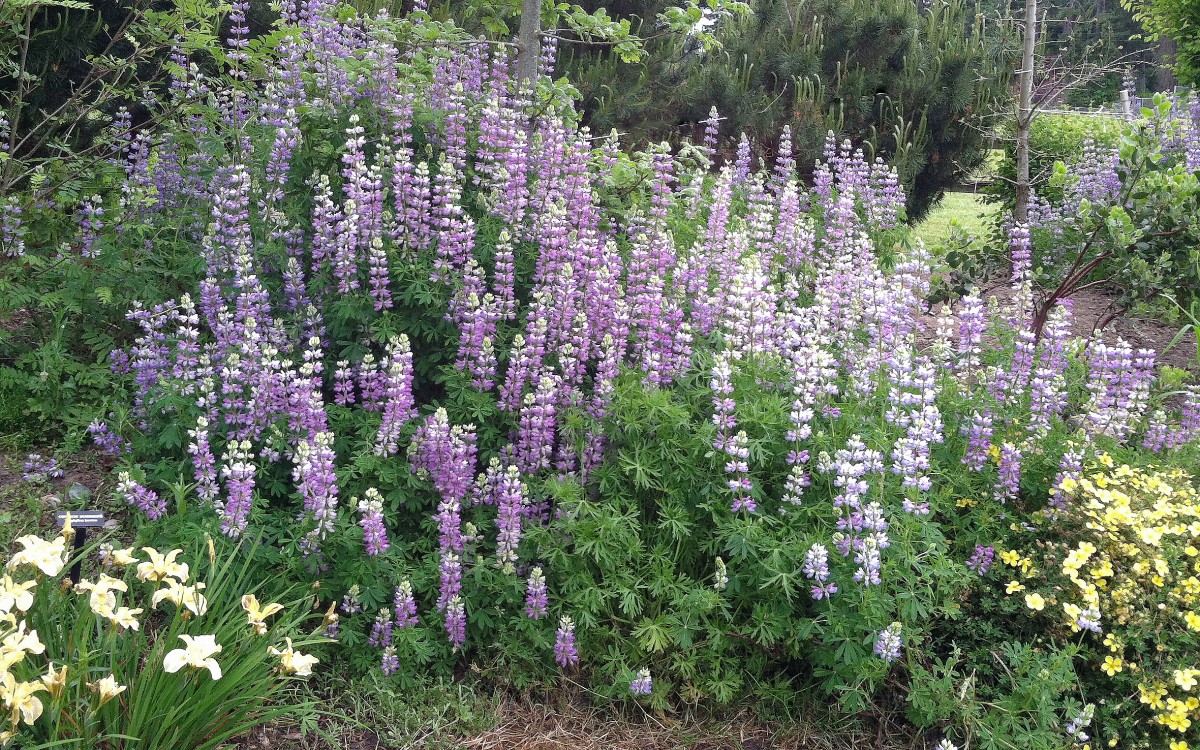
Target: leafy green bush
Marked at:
1053, 138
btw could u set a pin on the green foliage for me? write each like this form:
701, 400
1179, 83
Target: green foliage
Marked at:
1053, 138
1179, 21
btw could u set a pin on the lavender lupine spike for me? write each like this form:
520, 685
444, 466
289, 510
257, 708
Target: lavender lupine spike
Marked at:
643, 683
1048, 386
1008, 483
1021, 253
981, 559
510, 501
381, 630
404, 605
238, 471
741, 165
733, 445
536, 595
142, 498
566, 654
816, 570
12, 228
399, 405
389, 663
978, 431
1119, 384
972, 325
712, 127
889, 642
785, 163
374, 533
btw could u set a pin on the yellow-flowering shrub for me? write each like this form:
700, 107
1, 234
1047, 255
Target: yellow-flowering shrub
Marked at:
147, 650
1117, 567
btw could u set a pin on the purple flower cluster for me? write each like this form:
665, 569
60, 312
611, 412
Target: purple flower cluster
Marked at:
565, 651
536, 595
816, 569
643, 683
144, 499
889, 642
980, 560
370, 509
404, 605
38, 468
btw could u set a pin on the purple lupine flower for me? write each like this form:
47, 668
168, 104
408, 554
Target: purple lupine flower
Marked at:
643, 683
91, 221
889, 642
1047, 386
712, 126
816, 569
981, 559
565, 652
972, 324
142, 498
979, 439
1119, 384
741, 165
238, 470
107, 440
38, 468
390, 663
735, 446
869, 562
374, 533
536, 595
405, 605
350, 602
381, 630
456, 622
399, 404
510, 501
1070, 466
1008, 482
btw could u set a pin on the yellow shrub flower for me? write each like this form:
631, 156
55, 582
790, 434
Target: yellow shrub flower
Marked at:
1193, 621
45, 556
107, 688
1111, 665
1185, 678
20, 699
198, 654
1178, 745
1152, 696
1035, 602
1013, 587
161, 566
1010, 557
257, 615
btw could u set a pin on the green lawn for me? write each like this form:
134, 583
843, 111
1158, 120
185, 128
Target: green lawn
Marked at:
965, 209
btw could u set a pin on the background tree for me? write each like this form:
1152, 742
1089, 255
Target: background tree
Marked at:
1179, 22
903, 81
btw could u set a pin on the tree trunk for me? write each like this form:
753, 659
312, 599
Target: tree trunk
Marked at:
1025, 113
529, 42
1164, 79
